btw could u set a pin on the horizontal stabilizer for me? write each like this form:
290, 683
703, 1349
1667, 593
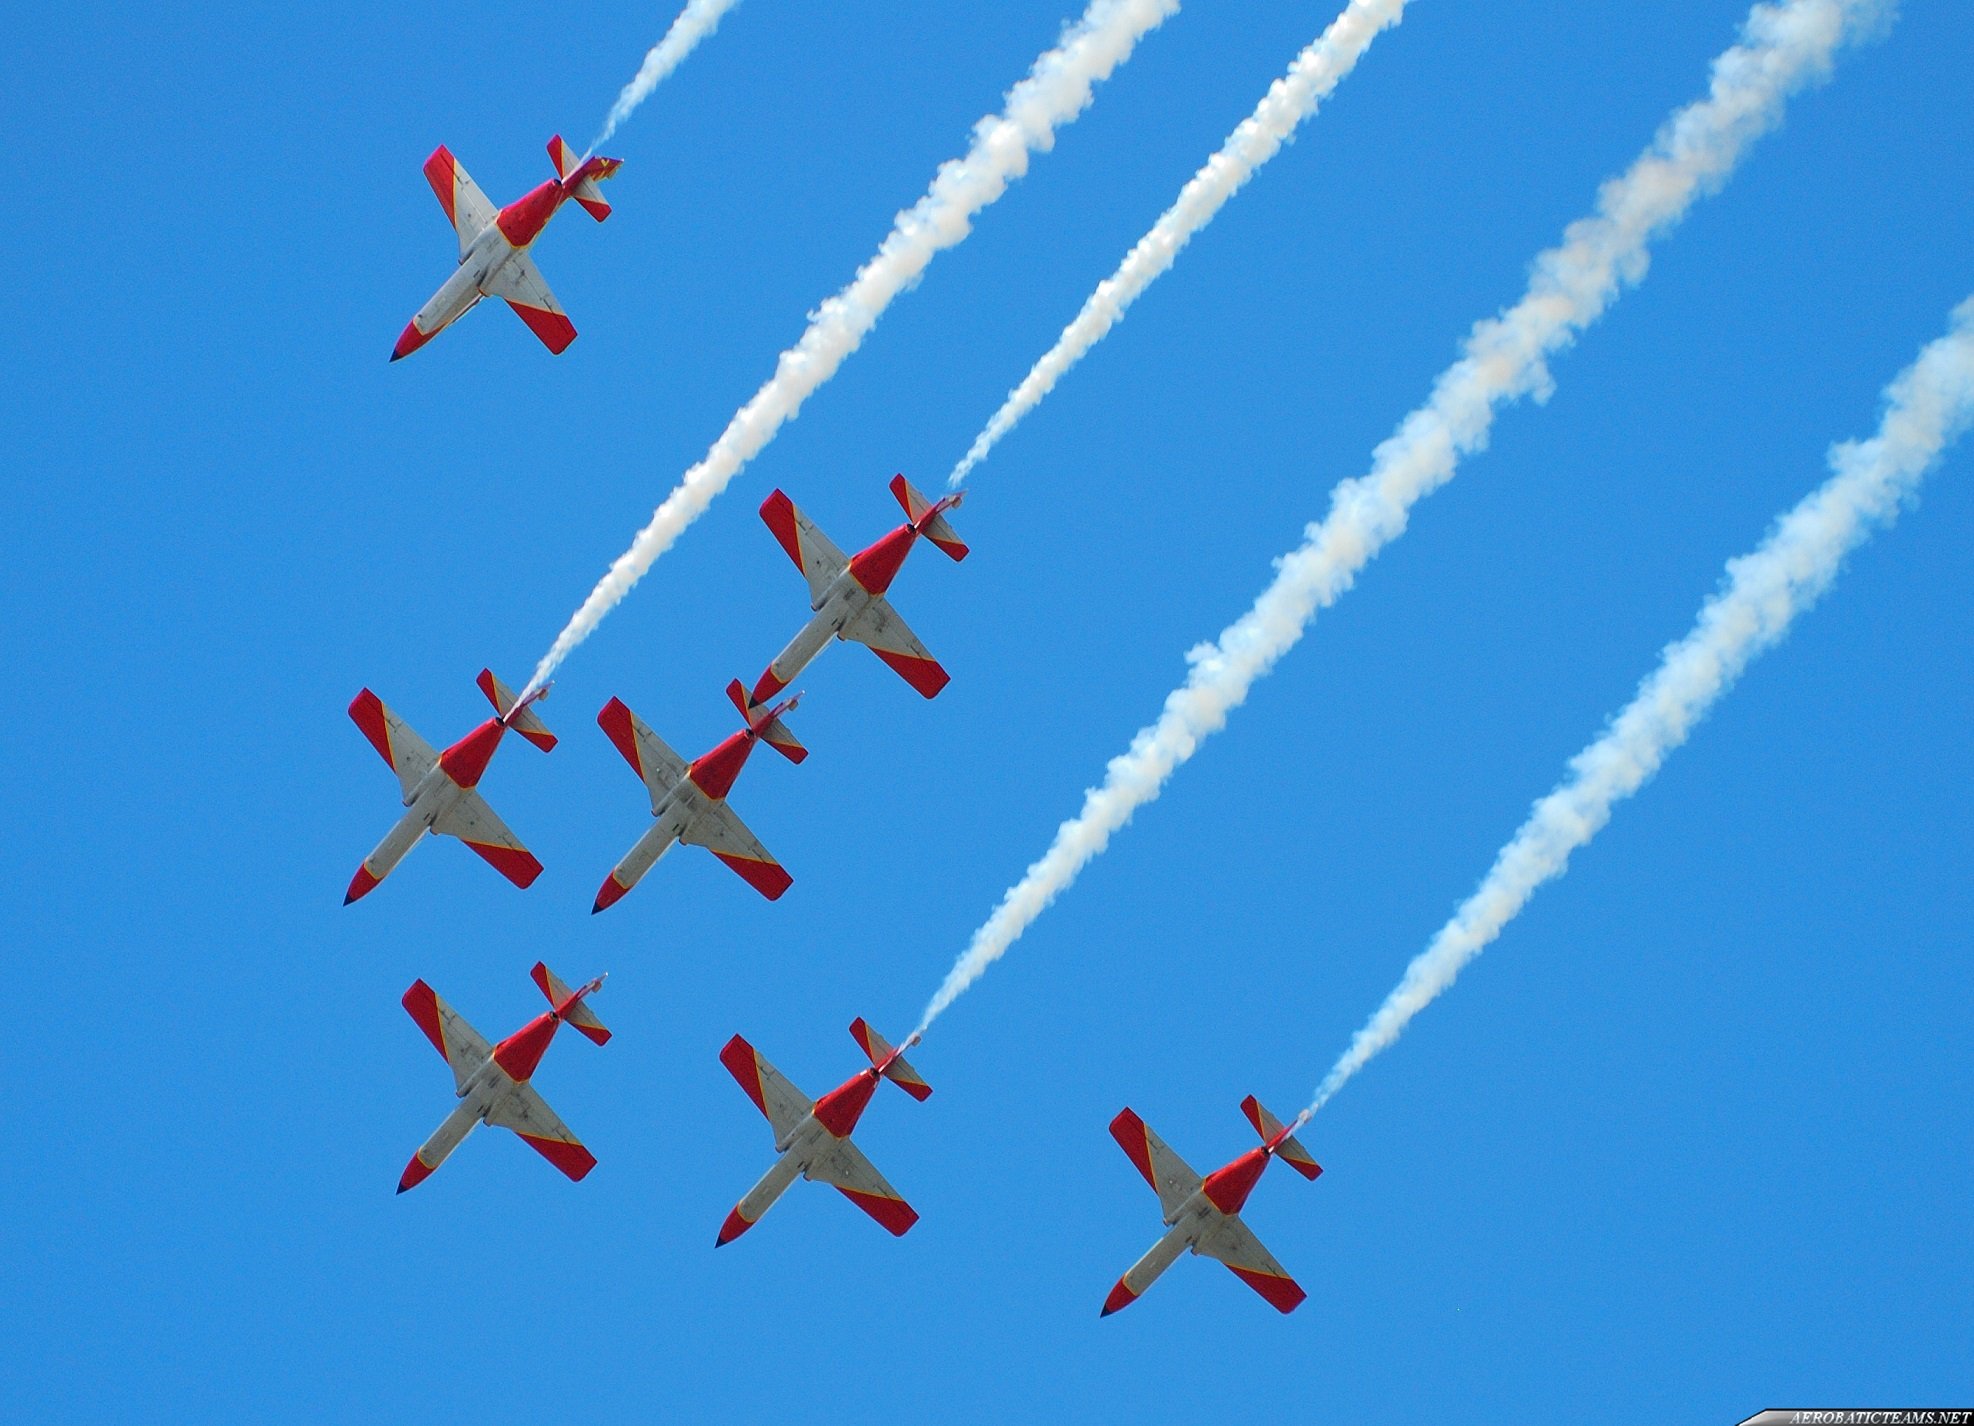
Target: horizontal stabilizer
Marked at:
1290, 1151
524, 722
928, 517
898, 1071
569, 1004
767, 722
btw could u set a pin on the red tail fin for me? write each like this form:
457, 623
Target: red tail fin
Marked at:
1289, 1150
928, 516
523, 719
569, 1003
767, 722
889, 1061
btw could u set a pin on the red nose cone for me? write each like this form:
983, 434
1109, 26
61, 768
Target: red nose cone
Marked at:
1120, 1296
767, 687
361, 885
409, 340
731, 1229
415, 1173
611, 893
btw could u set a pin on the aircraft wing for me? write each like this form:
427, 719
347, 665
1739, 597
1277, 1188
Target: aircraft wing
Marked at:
646, 752
892, 640
818, 559
409, 755
717, 829
847, 1170
1165, 1171
784, 1105
527, 1114
518, 283
476, 824
464, 1048
1234, 1244
460, 196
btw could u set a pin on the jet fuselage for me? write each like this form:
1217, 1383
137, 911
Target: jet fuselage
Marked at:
867, 576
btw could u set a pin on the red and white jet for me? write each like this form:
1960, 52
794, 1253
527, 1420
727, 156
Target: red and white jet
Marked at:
813, 1139
1204, 1213
689, 800
493, 245
492, 1081
439, 788
848, 593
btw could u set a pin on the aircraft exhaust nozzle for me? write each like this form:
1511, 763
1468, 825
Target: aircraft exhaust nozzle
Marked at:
889, 1062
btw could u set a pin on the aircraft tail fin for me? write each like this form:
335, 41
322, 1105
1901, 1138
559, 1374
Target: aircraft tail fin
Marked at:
928, 516
767, 722
522, 721
1290, 1151
569, 1003
581, 175
889, 1062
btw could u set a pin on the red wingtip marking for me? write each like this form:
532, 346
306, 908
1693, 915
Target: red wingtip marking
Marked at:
540, 737
954, 549
1120, 1297
615, 721
361, 885
738, 1056
441, 171
1280, 1293
731, 1229
778, 512
367, 712
555, 330
1129, 1131
609, 894
595, 207
923, 674
410, 340
422, 1004
916, 1088
894, 1214
860, 1032
516, 864
768, 878
573, 1159
414, 1174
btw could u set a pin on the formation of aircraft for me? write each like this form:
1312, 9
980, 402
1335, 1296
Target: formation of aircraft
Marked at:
441, 789
494, 243
1204, 1214
812, 1137
847, 594
689, 800
492, 1082
847, 599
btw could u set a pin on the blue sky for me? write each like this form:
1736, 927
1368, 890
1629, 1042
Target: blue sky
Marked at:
1690, 1136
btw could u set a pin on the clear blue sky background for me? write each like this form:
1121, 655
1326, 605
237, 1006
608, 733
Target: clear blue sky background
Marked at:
1696, 1134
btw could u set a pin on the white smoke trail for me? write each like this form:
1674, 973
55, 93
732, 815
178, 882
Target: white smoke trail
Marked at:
1927, 407
695, 22
1782, 48
1058, 88
1259, 137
